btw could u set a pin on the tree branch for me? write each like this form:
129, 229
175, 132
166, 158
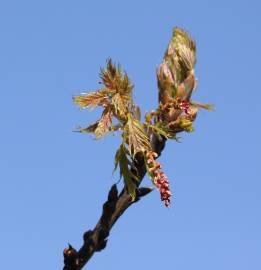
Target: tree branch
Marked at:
95, 240
176, 113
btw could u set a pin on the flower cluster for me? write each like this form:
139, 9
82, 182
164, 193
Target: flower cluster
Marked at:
183, 105
159, 178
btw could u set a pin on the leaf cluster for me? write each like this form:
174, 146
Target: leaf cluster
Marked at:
175, 113
115, 98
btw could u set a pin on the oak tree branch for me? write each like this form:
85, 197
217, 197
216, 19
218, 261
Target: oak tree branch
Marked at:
95, 240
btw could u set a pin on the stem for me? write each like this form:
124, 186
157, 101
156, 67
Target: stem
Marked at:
95, 240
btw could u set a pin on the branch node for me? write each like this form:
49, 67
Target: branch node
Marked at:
70, 257
143, 191
101, 245
87, 236
113, 194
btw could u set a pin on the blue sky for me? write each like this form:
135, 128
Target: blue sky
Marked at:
54, 181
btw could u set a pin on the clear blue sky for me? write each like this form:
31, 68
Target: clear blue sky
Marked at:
53, 181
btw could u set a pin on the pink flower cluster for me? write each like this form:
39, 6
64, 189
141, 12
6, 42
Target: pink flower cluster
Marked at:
184, 105
159, 178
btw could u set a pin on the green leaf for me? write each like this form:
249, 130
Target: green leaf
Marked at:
160, 131
186, 124
121, 160
164, 131
181, 124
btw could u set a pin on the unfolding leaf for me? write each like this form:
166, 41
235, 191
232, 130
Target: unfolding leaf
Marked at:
90, 128
182, 124
113, 78
93, 99
109, 74
125, 84
121, 160
116, 127
164, 131
160, 131
208, 107
185, 47
104, 123
135, 136
136, 112
93, 127
121, 103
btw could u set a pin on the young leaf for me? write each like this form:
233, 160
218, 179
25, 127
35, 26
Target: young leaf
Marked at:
108, 75
113, 78
135, 136
160, 131
121, 98
104, 123
186, 48
121, 103
208, 107
136, 112
90, 128
93, 99
121, 160
182, 124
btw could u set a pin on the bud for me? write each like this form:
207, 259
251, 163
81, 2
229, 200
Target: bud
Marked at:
165, 83
186, 124
192, 114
